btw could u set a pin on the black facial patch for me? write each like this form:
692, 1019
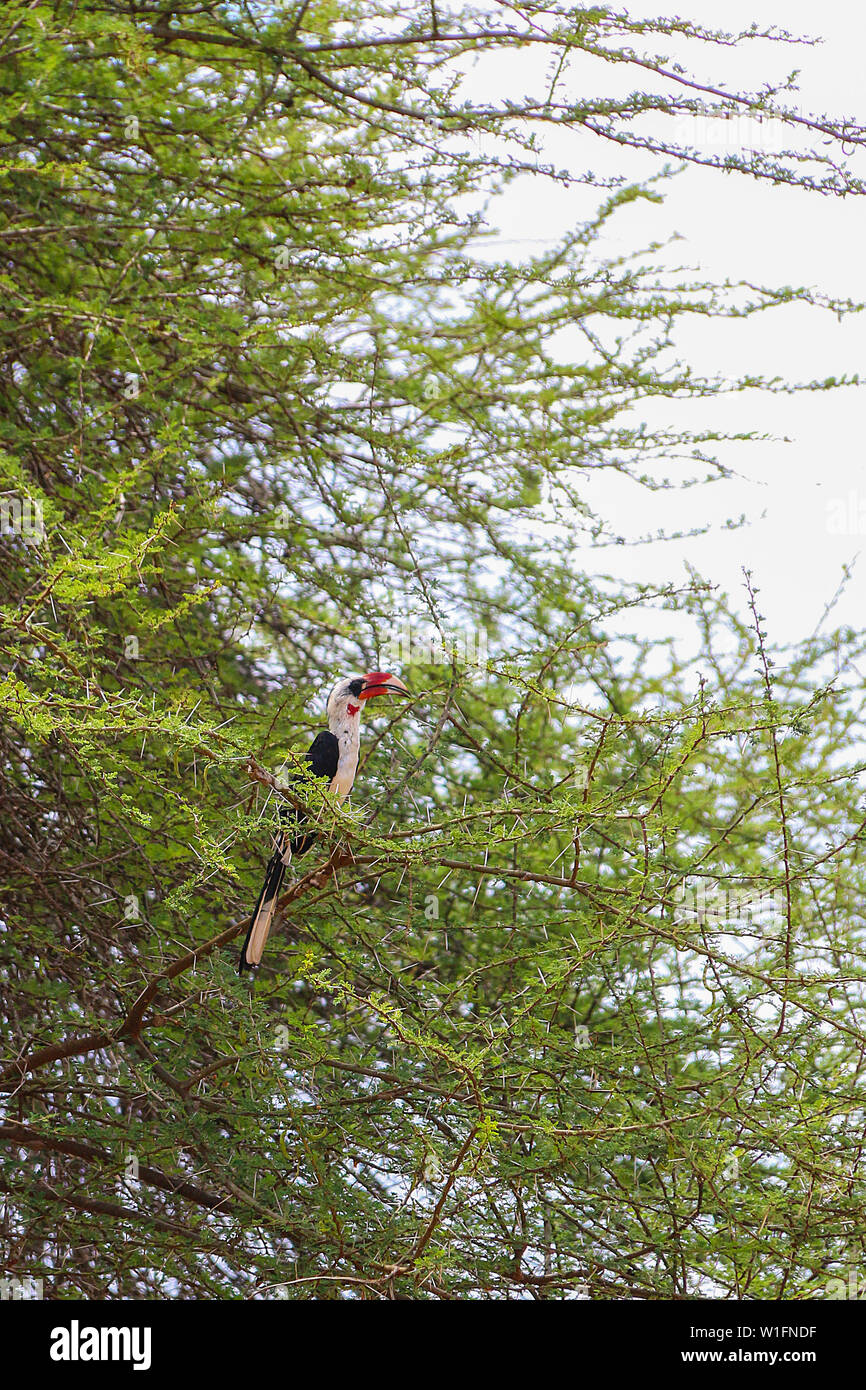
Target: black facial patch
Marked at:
355, 687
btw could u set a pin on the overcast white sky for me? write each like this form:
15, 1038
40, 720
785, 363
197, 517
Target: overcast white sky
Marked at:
734, 227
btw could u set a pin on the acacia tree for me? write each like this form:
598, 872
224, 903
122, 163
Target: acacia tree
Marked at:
566, 1002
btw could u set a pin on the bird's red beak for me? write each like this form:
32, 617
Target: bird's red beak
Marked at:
381, 683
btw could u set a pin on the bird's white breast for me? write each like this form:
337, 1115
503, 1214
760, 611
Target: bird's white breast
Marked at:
349, 739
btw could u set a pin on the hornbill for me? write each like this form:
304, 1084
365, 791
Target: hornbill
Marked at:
333, 755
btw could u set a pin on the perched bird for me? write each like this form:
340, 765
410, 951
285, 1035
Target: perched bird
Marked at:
333, 755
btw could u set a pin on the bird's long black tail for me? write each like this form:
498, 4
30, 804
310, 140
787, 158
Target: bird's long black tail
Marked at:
263, 912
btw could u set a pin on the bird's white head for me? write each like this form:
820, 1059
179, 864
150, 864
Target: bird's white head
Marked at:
350, 693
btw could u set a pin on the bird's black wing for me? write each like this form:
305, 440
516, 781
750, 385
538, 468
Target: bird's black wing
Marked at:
322, 758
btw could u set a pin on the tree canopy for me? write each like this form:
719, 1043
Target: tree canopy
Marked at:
566, 1002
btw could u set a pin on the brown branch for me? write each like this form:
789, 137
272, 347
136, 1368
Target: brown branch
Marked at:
523, 874
98, 1208
74, 1148
134, 1021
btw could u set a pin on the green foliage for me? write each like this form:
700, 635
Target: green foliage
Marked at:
522, 1029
